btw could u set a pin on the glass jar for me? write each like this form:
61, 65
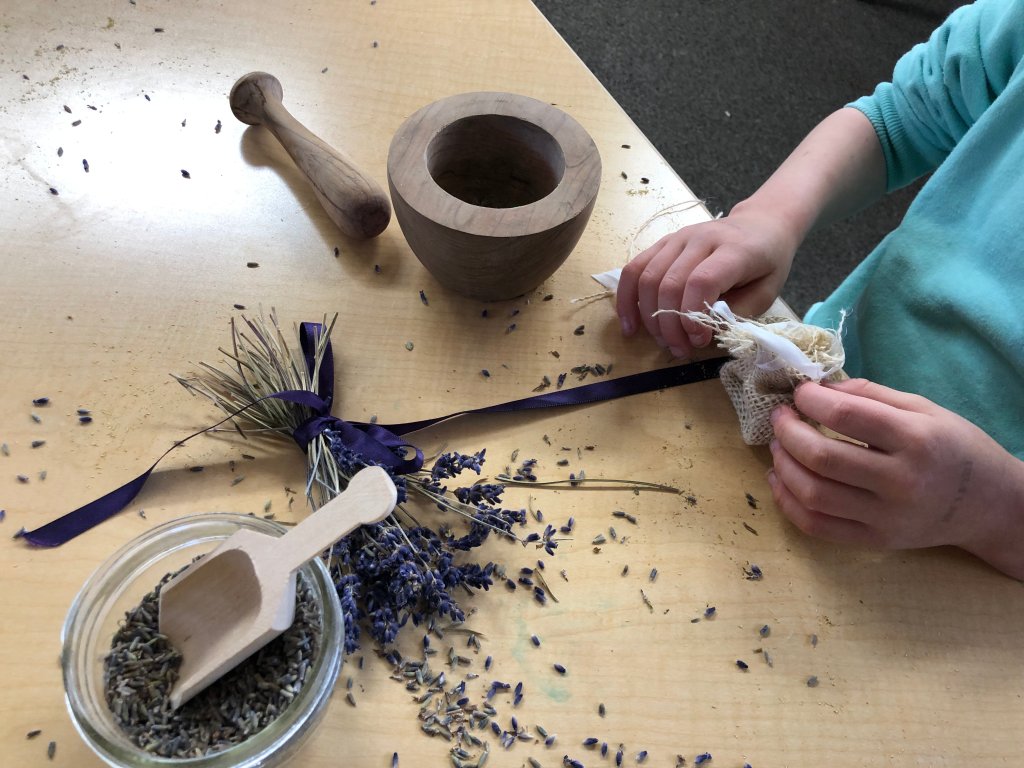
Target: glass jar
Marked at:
121, 583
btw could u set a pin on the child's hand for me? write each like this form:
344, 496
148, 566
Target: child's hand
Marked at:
744, 258
927, 476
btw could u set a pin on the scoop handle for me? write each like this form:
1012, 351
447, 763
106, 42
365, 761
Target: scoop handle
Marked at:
370, 497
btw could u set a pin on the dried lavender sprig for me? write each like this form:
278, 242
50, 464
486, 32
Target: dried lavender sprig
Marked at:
389, 572
593, 483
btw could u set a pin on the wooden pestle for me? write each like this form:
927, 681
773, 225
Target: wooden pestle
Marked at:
353, 201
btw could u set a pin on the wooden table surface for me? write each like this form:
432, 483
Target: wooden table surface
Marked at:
132, 271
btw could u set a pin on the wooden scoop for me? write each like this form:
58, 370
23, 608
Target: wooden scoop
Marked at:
353, 201
241, 595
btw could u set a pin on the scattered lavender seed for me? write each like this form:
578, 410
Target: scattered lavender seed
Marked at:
158, 29
51, 750
42, 474
85, 165
590, 742
654, 574
559, 669
709, 612
67, 109
5, 449
33, 733
377, 269
146, 96
85, 419
252, 264
647, 601
753, 573
751, 501
53, 191
423, 298
644, 180
641, 756
3, 515
394, 760
814, 641
812, 681
578, 331
35, 417
510, 328
600, 709
22, 478
216, 129
38, 443
76, 123
485, 373
742, 664
238, 306
702, 758
409, 345
41, 401
350, 698
765, 631
535, 640
184, 174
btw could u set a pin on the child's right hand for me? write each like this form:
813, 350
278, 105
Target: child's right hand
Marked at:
743, 258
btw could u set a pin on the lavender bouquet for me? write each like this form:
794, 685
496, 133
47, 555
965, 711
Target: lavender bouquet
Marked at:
391, 572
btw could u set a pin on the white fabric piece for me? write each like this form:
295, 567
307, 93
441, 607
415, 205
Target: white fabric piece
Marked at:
775, 350
609, 279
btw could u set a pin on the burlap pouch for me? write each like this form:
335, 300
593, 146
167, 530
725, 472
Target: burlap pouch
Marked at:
772, 355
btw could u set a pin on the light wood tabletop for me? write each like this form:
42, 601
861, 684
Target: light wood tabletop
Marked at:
118, 271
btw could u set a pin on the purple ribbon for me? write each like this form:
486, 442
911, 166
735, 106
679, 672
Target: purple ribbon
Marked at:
381, 444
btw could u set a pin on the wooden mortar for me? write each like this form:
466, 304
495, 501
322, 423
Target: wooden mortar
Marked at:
492, 190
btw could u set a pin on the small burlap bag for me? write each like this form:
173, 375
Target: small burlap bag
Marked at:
772, 355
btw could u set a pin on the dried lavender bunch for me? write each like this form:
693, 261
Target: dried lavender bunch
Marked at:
390, 572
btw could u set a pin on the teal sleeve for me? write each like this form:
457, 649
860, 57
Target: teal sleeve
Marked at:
942, 87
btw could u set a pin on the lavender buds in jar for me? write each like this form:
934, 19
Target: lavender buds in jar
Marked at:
111, 628
142, 668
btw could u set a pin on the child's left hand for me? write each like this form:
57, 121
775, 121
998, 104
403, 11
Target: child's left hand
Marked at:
926, 476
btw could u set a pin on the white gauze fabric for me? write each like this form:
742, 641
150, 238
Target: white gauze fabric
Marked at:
772, 355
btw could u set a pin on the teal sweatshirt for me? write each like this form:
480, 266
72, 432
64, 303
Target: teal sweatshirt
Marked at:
938, 307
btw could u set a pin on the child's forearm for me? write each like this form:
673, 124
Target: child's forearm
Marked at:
837, 170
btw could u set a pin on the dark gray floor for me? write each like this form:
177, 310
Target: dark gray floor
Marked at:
725, 89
